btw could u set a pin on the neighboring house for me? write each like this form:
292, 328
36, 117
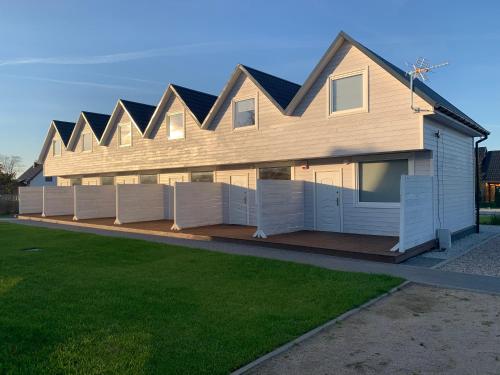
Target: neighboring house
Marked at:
490, 174
348, 131
34, 176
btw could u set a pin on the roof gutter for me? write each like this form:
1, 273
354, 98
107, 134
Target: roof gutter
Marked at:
478, 194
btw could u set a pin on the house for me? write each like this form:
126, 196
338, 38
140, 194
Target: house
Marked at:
34, 176
489, 162
347, 135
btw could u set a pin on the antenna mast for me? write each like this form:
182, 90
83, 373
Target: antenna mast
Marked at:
419, 71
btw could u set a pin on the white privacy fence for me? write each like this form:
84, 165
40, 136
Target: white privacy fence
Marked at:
416, 211
197, 204
135, 203
93, 202
30, 200
280, 207
58, 200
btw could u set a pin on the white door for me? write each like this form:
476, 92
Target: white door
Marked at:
238, 200
171, 183
328, 201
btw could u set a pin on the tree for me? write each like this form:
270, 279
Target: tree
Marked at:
9, 166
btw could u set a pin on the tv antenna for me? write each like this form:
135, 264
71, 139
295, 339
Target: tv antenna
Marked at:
420, 70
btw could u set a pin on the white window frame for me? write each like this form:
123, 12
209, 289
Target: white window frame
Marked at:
255, 126
120, 134
183, 123
357, 203
54, 149
332, 77
91, 141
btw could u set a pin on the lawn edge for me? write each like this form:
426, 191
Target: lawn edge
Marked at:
283, 348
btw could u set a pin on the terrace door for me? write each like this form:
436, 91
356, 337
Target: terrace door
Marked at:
238, 200
328, 200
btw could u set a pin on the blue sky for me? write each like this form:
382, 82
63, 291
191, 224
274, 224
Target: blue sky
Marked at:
60, 57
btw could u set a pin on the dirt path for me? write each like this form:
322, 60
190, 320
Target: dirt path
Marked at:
419, 330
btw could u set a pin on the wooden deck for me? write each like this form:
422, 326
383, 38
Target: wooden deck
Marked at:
358, 246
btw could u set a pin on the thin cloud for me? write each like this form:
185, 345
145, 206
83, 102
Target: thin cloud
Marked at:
74, 83
113, 58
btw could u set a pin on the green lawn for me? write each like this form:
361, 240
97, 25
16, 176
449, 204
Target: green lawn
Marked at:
88, 304
489, 220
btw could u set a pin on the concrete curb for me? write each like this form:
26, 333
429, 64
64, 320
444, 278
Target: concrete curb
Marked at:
313, 332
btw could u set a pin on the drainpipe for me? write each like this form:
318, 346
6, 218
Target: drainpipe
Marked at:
478, 194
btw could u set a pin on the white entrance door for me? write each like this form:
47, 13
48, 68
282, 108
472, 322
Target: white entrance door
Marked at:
238, 200
328, 201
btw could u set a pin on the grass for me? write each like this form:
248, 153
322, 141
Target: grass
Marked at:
489, 220
88, 304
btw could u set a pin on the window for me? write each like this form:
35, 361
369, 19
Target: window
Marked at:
75, 181
207, 176
86, 142
275, 173
148, 179
107, 180
48, 179
56, 147
125, 135
379, 181
348, 93
176, 126
244, 113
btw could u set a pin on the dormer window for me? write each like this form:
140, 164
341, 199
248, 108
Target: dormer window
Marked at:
125, 135
348, 93
56, 147
86, 142
244, 113
175, 126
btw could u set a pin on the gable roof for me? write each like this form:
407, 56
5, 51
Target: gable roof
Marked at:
439, 103
64, 129
491, 167
30, 173
198, 103
97, 122
279, 91
139, 114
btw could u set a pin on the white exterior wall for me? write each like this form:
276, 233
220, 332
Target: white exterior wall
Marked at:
39, 180
58, 200
453, 168
197, 204
30, 200
135, 203
280, 207
416, 223
94, 202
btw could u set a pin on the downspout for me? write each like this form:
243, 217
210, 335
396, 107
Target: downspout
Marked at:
478, 194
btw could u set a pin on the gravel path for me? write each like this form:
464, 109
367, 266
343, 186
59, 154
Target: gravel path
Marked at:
482, 260
418, 330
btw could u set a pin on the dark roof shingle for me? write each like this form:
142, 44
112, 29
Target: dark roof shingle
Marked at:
141, 113
281, 90
30, 173
64, 129
98, 122
199, 103
491, 166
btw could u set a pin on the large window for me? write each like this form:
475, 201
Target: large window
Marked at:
125, 135
379, 181
107, 180
75, 181
148, 179
56, 147
176, 126
275, 173
244, 113
347, 93
205, 176
86, 142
